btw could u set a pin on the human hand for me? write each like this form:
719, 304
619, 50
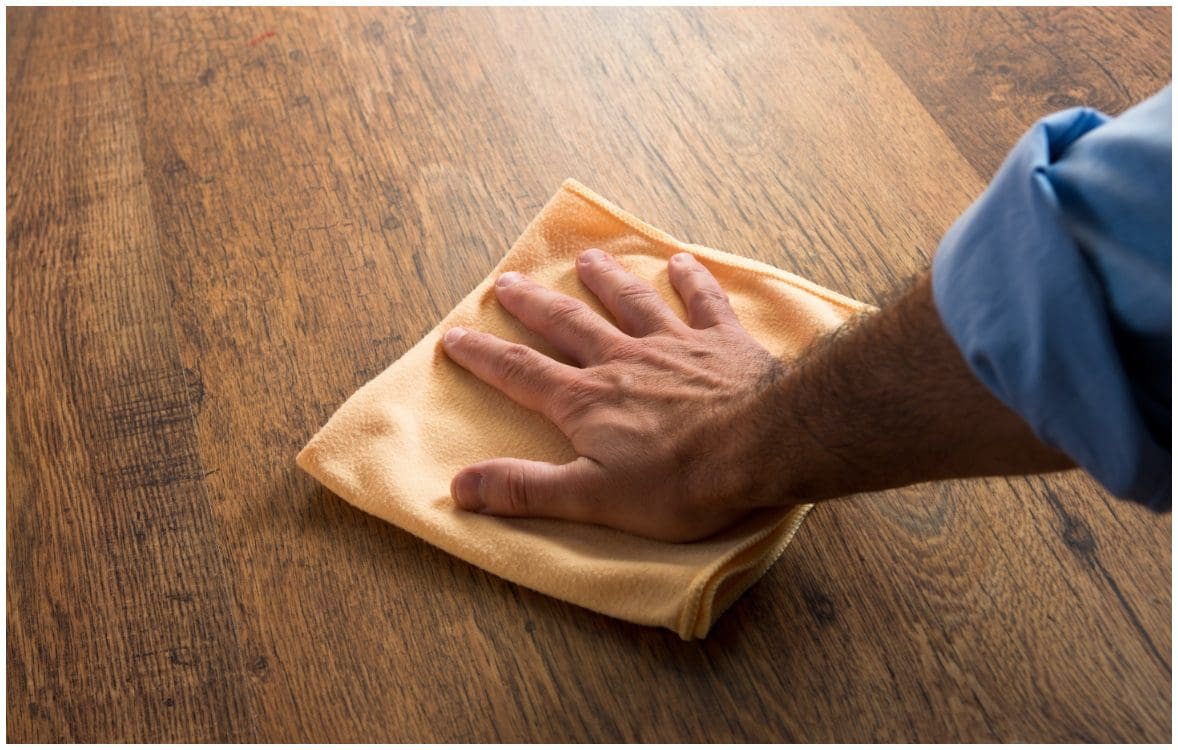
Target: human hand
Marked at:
666, 417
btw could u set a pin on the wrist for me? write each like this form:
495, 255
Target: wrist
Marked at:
887, 401
812, 460
794, 460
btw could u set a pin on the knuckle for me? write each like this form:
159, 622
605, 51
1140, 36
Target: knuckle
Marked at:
711, 297
699, 274
564, 311
514, 363
635, 292
580, 396
515, 492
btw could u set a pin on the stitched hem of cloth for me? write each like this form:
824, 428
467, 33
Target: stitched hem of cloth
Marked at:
715, 588
745, 265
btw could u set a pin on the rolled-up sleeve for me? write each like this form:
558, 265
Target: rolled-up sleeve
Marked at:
1055, 285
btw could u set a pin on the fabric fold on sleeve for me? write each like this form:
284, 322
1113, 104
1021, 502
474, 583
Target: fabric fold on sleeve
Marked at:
1031, 302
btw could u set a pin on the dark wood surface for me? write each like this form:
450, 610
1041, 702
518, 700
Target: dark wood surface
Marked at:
222, 222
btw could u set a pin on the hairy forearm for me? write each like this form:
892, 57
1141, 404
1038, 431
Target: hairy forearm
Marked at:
888, 401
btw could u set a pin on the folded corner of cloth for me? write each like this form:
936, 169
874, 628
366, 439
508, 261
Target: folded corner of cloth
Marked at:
392, 448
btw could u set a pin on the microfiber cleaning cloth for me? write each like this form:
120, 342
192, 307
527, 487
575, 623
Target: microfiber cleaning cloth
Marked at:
393, 447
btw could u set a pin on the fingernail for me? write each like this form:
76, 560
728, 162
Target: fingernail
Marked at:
467, 491
591, 255
509, 278
682, 258
454, 334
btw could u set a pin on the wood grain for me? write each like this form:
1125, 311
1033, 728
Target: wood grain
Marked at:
987, 73
216, 233
119, 624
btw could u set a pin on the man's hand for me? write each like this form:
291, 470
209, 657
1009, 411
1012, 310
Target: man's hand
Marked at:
667, 418
682, 428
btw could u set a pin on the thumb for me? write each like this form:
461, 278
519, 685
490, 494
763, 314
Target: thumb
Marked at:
514, 487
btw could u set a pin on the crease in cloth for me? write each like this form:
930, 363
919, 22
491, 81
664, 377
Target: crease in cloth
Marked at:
393, 446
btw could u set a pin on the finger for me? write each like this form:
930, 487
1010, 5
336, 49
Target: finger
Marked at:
635, 304
518, 488
523, 374
568, 324
707, 304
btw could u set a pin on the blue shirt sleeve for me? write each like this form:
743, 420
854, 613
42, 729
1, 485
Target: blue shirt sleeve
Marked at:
1055, 285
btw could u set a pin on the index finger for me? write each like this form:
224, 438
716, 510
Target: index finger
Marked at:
567, 323
523, 374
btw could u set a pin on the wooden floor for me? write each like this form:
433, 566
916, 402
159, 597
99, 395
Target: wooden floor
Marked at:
222, 222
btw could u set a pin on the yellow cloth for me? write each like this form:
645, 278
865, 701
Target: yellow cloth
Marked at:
393, 447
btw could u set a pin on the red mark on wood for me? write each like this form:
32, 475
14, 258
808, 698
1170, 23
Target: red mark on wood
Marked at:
260, 37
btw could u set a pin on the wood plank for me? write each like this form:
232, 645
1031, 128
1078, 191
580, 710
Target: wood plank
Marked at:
987, 74
119, 627
295, 254
327, 183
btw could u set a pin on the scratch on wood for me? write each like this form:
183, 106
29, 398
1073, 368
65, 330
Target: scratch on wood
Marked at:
261, 37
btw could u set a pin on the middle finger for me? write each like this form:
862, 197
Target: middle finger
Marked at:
634, 303
567, 323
